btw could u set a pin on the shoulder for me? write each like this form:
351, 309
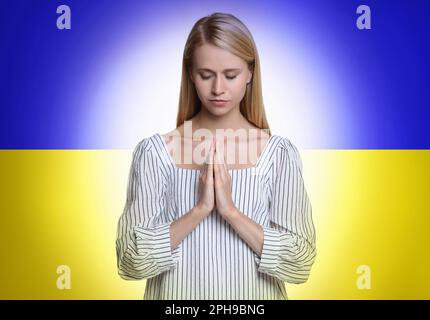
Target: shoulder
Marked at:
287, 151
146, 144
144, 149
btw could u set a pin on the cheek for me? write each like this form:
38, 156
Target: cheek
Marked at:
202, 86
238, 89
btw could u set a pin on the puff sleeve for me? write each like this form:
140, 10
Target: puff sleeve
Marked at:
143, 235
289, 248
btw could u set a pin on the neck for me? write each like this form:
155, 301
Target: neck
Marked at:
233, 120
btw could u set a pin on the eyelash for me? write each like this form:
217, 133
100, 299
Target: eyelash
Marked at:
206, 78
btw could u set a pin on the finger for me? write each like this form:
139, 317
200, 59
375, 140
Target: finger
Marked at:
216, 165
206, 163
222, 169
208, 157
210, 164
224, 165
217, 151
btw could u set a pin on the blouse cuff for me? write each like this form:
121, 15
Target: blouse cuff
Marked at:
268, 261
155, 244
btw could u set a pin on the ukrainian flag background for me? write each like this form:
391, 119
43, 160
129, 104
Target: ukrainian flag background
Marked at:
74, 103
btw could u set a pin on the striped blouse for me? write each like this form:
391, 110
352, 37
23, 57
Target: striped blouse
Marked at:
213, 262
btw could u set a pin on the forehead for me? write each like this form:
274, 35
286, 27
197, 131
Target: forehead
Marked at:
212, 57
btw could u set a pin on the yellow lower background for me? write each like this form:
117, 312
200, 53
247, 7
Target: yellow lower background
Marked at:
61, 207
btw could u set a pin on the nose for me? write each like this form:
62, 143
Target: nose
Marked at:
217, 87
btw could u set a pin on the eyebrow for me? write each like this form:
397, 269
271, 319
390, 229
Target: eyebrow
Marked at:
209, 70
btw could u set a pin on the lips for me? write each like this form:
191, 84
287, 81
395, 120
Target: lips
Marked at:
218, 102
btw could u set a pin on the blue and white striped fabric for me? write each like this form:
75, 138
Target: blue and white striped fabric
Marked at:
213, 262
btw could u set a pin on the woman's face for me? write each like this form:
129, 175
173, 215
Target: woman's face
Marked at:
218, 74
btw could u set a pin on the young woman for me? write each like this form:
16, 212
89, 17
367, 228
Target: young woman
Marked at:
209, 226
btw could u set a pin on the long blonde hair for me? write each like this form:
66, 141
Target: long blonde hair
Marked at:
227, 32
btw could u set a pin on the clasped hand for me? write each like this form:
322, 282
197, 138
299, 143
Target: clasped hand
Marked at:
215, 184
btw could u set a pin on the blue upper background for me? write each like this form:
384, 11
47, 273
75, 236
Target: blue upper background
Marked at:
42, 69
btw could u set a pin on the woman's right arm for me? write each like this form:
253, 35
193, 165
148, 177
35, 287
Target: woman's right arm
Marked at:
143, 239
183, 226
180, 228
147, 244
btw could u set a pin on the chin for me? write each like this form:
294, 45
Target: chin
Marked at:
218, 111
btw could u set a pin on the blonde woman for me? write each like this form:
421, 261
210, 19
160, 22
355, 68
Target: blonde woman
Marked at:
198, 223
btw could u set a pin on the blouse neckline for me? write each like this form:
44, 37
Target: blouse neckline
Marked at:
256, 166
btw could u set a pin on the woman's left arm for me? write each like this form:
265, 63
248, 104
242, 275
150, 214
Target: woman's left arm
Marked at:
285, 249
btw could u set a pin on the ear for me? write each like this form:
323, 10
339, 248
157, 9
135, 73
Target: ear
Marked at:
190, 72
248, 80
250, 73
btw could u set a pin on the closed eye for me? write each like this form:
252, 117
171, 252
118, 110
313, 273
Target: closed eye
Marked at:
229, 78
